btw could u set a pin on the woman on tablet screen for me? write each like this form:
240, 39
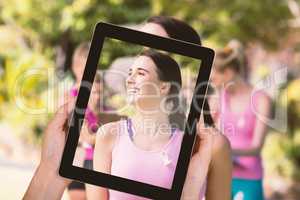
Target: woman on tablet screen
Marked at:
145, 147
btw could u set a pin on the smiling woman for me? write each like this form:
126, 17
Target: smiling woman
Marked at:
145, 147
149, 136
154, 83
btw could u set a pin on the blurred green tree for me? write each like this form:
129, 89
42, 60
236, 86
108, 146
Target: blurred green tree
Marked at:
64, 24
48, 31
221, 20
72, 21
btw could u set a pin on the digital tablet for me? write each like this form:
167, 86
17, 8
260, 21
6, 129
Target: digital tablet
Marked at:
166, 175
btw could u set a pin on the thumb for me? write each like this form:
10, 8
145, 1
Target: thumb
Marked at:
202, 128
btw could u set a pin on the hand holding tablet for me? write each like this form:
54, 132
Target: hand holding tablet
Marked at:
183, 175
185, 138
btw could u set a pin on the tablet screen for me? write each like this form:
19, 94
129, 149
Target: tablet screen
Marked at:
144, 95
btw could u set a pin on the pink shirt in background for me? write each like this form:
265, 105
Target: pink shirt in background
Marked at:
239, 129
92, 121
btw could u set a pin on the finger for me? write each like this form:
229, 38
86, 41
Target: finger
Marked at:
79, 157
201, 122
201, 127
207, 136
62, 113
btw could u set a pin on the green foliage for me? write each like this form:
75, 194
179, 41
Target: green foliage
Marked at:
285, 147
222, 20
113, 49
217, 20
286, 151
25, 76
49, 20
290, 98
30, 31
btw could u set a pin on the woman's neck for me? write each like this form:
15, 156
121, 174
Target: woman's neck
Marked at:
157, 117
238, 85
157, 122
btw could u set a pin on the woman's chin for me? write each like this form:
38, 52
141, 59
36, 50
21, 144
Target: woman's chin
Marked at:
131, 99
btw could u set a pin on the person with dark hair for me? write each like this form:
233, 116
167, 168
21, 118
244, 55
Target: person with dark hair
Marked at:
149, 136
239, 108
176, 29
165, 26
78, 61
76, 190
164, 63
153, 81
209, 167
171, 27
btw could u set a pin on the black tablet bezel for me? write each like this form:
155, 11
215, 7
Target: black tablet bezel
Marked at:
105, 30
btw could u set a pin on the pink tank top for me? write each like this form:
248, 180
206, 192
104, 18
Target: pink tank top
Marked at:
239, 129
153, 167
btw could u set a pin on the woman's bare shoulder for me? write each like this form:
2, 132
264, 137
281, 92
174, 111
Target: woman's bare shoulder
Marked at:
221, 144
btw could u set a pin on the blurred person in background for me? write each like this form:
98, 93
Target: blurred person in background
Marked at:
87, 137
238, 114
94, 116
